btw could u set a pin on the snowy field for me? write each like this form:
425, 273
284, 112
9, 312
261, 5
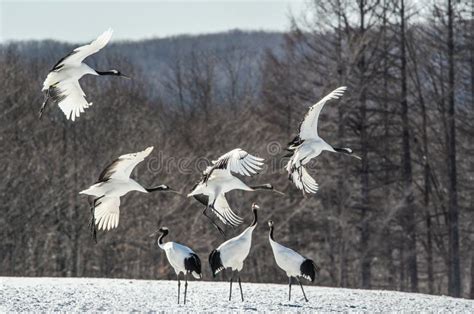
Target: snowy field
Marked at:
88, 294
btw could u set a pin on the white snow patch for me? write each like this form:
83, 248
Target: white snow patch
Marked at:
94, 294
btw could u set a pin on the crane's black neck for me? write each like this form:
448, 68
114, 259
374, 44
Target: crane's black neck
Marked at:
254, 222
111, 72
343, 150
157, 188
262, 187
271, 233
164, 233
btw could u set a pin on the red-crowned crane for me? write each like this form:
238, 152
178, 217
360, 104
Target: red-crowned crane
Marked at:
182, 259
62, 83
308, 145
218, 179
114, 182
233, 252
294, 264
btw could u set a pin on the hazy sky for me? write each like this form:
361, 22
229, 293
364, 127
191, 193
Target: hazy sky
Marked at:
79, 21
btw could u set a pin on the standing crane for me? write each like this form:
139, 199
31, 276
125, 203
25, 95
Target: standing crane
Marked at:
182, 259
233, 252
294, 264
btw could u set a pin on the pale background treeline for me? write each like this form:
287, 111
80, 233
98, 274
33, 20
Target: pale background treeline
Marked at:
402, 218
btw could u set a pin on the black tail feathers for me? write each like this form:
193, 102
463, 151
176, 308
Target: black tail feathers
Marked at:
309, 269
193, 264
215, 262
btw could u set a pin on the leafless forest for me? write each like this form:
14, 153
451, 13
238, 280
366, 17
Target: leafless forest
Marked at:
402, 218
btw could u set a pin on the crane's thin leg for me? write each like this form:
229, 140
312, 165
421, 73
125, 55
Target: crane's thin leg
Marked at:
300, 173
92, 222
185, 286
179, 286
304, 294
289, 290
92, 226
45, 102
240, 286
213, 223
230, 290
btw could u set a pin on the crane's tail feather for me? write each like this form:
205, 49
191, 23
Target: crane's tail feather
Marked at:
309, 270
215, 262
93, 190
193, 265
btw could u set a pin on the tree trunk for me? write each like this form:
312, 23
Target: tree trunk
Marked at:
402, 266
429, 254
454, 284
426, 199
408, 208
343, 280
364, 176
471, 295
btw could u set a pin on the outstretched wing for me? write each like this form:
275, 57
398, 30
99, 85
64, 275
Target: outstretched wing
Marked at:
303, 181
107, 213
237, 161
75, 57
70, 98
221, 208
225, 213
309, 126
122, 167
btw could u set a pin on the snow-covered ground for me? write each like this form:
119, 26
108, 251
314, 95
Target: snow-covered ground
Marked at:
89, 294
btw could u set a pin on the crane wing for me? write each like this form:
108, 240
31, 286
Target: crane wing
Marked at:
237, 161
303, 180
122, 167
107, 213
75, 57
225, 213
309, 126
70, 98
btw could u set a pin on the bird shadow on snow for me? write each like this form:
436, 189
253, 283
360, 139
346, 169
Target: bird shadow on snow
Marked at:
290, 305
248, 308
243, 308
304, 306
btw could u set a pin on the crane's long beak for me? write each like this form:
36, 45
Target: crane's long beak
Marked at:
279, 192
125, 76
355, 156
176, 192
153, 234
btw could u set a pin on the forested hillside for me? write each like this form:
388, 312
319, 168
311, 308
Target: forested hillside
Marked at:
401, 218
